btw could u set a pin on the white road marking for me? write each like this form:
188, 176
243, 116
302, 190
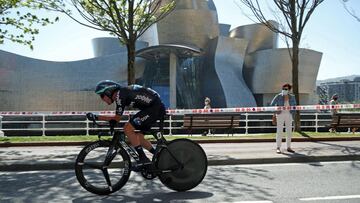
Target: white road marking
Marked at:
290, 164
331, 198
261, 201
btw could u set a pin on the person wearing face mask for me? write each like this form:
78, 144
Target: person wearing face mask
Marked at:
207, 103
207, 106
333, 101
284, 98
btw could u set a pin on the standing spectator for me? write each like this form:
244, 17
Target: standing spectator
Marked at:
284, 98
207, 106
207, 103
333, 101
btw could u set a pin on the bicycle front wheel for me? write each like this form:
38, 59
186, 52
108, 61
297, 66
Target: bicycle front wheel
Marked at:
102, 170
187, 161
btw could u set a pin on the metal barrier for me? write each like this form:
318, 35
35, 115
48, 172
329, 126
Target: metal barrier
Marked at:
47, 124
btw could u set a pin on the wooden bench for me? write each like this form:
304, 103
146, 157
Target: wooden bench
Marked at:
211, 121
346, 120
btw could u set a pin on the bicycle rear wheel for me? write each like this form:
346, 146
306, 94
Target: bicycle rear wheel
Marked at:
191, 168
101, 175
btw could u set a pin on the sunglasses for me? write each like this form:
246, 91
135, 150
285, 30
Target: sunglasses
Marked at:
102, 96
285, 89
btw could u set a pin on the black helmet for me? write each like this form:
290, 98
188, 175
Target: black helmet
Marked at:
106, 87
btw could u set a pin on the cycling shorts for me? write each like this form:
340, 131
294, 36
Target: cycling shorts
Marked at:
146, 118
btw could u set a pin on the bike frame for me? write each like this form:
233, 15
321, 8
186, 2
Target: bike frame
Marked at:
117, 141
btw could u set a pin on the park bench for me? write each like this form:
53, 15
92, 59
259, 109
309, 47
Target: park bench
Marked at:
346, 120
211, 121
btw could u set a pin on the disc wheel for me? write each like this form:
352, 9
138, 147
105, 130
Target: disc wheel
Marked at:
190, 170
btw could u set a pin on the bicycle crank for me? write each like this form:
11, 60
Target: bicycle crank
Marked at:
148, 175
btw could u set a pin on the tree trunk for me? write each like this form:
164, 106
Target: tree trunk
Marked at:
131, 63
295, 81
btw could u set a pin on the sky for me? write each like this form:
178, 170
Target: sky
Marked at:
330, 30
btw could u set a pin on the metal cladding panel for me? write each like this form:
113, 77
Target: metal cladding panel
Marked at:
150, 36
272, 68
104, 46
258, 35
229, 59
193, 4
188, 27
38, 85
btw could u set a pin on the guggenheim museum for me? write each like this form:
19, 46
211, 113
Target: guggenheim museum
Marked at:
197, 58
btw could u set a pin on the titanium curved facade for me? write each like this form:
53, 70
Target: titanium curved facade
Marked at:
271, 67
28, 84
259, 36
193, 22
103, 46
228, 63
186, 57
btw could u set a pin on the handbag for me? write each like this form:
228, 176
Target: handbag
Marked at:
273, 119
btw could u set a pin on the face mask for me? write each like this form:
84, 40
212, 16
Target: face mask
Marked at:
284, 92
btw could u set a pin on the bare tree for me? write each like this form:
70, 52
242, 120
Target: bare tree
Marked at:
125, 19
295, 15
350, 10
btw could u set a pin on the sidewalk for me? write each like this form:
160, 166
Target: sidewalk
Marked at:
62, 157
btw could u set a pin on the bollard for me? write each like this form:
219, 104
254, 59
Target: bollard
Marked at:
1, 132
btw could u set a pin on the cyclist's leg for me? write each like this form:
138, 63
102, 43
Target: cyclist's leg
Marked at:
143, 121
134, 139
146, 143
129, 131
137, 138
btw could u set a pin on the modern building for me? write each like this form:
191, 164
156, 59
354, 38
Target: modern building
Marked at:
348, 91
185, 63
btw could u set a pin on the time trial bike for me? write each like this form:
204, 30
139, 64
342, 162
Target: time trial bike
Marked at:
104, 166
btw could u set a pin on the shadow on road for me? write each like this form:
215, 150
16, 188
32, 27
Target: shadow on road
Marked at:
153, 197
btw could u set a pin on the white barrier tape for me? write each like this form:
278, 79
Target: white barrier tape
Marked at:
264, 109
194, 111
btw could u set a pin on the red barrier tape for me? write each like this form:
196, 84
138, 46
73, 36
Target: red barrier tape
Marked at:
194, 111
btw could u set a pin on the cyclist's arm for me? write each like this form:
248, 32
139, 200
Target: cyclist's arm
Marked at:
118, 113
109, 117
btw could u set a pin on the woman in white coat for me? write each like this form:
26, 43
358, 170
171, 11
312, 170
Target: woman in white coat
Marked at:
284, 98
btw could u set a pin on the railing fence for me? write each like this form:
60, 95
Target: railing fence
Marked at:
47, 124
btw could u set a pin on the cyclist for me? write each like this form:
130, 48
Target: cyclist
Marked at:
145, 99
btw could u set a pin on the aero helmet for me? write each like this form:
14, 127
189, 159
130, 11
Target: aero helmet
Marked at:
107, 88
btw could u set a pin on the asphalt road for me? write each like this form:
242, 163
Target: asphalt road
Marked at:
266, 183
62, 157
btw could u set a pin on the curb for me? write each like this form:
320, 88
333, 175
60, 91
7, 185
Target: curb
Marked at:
254, 140
303, 159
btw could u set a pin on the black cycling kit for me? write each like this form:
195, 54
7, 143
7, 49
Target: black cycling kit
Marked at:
146, 100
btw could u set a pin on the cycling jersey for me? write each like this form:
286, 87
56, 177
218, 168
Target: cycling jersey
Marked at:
145, 99
135, 96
